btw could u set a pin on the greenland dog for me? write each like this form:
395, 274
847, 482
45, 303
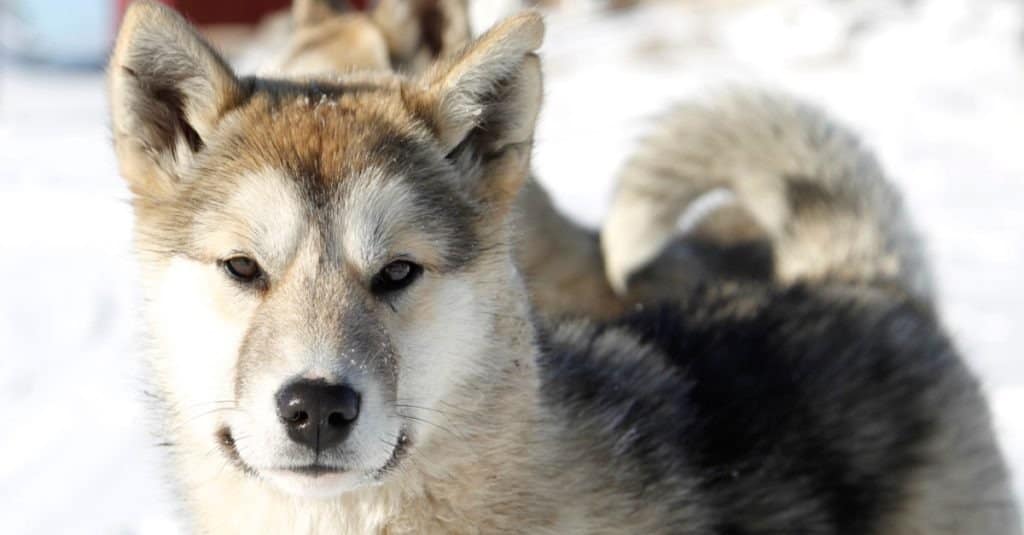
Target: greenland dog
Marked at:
341, 341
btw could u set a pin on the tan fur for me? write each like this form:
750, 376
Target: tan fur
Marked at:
393, 35
420, 31
561, 260
351, 39
203, 86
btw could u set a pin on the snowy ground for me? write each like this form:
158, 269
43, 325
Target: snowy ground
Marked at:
937, 88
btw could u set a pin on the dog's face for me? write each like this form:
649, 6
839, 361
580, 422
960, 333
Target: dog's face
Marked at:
320, 259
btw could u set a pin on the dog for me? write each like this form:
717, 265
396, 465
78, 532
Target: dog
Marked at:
382, 35
342, 341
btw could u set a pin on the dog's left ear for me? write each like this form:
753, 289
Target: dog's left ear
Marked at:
482, 104
168, 91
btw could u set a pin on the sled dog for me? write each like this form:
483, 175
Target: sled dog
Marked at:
341, 340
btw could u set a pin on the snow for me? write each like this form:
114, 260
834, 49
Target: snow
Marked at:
936, 86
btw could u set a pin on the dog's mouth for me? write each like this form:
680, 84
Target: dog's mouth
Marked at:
230, 449
313, 470
398, 453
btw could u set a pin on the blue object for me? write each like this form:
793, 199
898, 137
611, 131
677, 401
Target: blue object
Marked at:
64, 32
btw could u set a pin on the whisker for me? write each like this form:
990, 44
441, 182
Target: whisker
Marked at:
433, 424
195, 417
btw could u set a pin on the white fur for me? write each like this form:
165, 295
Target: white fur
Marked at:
263, 218
440, 347
198, 344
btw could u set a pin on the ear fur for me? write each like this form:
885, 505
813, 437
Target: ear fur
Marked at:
168, 91
483, 103
466, 89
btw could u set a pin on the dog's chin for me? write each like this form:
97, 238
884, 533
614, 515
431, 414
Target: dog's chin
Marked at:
316, 481
320, 484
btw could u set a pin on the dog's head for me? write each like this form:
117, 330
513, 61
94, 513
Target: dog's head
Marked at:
324, 263
384, 35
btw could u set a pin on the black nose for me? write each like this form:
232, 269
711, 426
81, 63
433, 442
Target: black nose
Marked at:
316, 413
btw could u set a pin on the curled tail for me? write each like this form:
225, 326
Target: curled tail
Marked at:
802, 186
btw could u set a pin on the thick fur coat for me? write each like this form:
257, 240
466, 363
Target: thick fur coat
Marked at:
358, 231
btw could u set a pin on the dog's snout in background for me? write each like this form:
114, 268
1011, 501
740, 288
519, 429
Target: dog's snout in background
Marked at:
316, 413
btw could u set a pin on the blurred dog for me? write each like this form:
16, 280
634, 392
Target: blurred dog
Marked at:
342, 342
338, 35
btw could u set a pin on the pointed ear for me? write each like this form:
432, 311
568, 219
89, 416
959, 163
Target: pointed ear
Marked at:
420, 31
168, 91
483, 103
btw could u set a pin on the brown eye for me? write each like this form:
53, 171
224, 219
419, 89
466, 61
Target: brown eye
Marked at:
242, 268
395, 276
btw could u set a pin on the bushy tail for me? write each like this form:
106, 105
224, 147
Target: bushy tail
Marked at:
802, 185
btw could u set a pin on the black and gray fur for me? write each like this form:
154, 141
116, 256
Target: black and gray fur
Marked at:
811, 409
814, 394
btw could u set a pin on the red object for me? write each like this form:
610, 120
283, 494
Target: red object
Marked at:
220, 11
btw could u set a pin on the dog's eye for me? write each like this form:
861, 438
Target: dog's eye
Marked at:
243, 269
395, 276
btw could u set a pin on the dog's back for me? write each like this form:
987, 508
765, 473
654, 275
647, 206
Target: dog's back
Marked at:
805, 410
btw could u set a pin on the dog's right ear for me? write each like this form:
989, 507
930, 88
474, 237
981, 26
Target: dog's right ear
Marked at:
168, 91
